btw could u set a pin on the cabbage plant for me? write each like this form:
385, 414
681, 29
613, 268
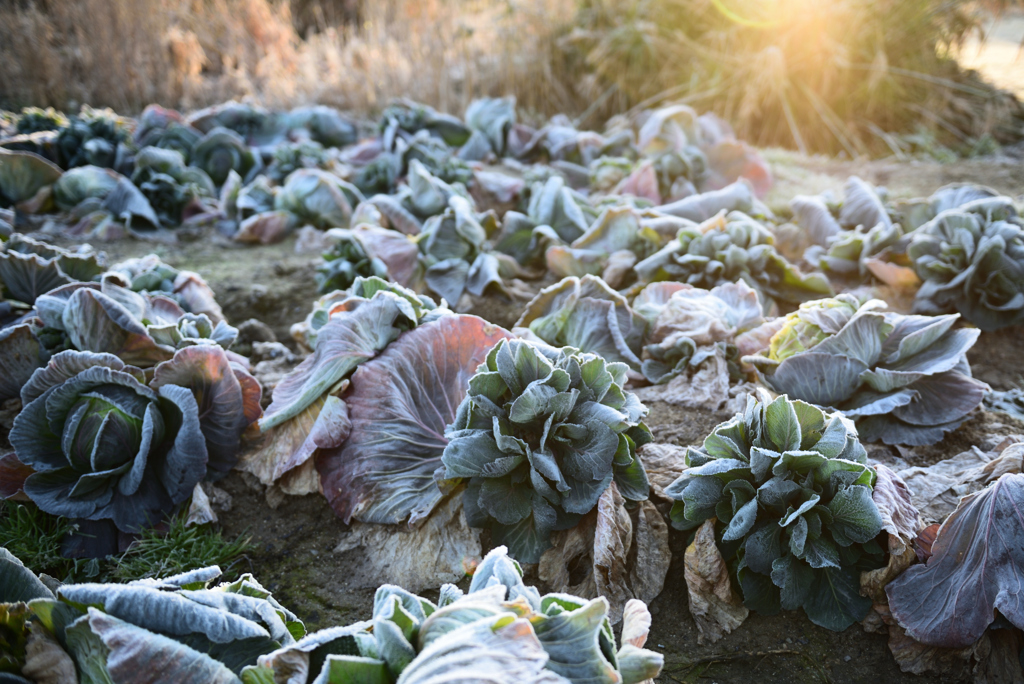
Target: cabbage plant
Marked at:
791, 492
318, 198
586, 314
453, 254
903, 379
166, 129
221, 151
730, 248
971, 260
34, 119
407, 117
30, 268
289, 157
93, 137
182, 628
847, 253
492, 118
687, 324
540, 435
108, 443
82, 183
500, 631
168, 184
346, 260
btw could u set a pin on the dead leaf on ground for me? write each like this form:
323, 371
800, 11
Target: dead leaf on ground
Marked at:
715, 608
45, 661
664, 463
439, 550
937, 489
597, 557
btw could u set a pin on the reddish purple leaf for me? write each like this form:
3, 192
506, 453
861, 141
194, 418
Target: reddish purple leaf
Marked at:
399, 405
976, 568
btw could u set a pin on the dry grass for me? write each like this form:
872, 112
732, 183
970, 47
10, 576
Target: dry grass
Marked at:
126, 54
811, 74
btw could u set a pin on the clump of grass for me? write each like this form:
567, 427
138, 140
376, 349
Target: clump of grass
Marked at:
805, 74
35, 537
179, 549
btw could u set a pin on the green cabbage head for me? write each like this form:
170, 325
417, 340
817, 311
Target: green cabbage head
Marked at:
540, 435
971, 260
104, 445
791, 493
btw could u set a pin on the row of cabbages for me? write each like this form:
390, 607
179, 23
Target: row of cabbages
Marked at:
181, 629
403, 402
452, 207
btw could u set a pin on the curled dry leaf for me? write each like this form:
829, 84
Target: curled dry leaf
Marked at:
45, 661
917, 658
901, 556
664, 464
418, 557
715, 608
200, 511
924, 541
900, 519
892, 496
603, 542
936, 489
901, 278
636, 623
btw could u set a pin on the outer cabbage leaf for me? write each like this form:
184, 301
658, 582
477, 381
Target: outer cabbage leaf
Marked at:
228, 398
973, 573
399, 405
318, 198
903, 379
502, 649
23, 174
352, 335
221, 151
137, 655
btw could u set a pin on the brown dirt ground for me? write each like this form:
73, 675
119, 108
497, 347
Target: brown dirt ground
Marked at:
293, 553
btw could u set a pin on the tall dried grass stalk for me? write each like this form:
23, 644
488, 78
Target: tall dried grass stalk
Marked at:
814, 74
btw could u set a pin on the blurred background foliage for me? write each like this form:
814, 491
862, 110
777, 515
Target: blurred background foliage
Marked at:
836, 76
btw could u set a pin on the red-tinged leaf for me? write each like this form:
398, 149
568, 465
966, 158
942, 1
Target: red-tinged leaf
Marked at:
976, 568
730, 160
924, 541
251, 395
12, 477
400, 404
354, 334
225, 406
643, 182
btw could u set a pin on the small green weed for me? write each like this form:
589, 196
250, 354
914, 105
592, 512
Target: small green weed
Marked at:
35, 537
181, 548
